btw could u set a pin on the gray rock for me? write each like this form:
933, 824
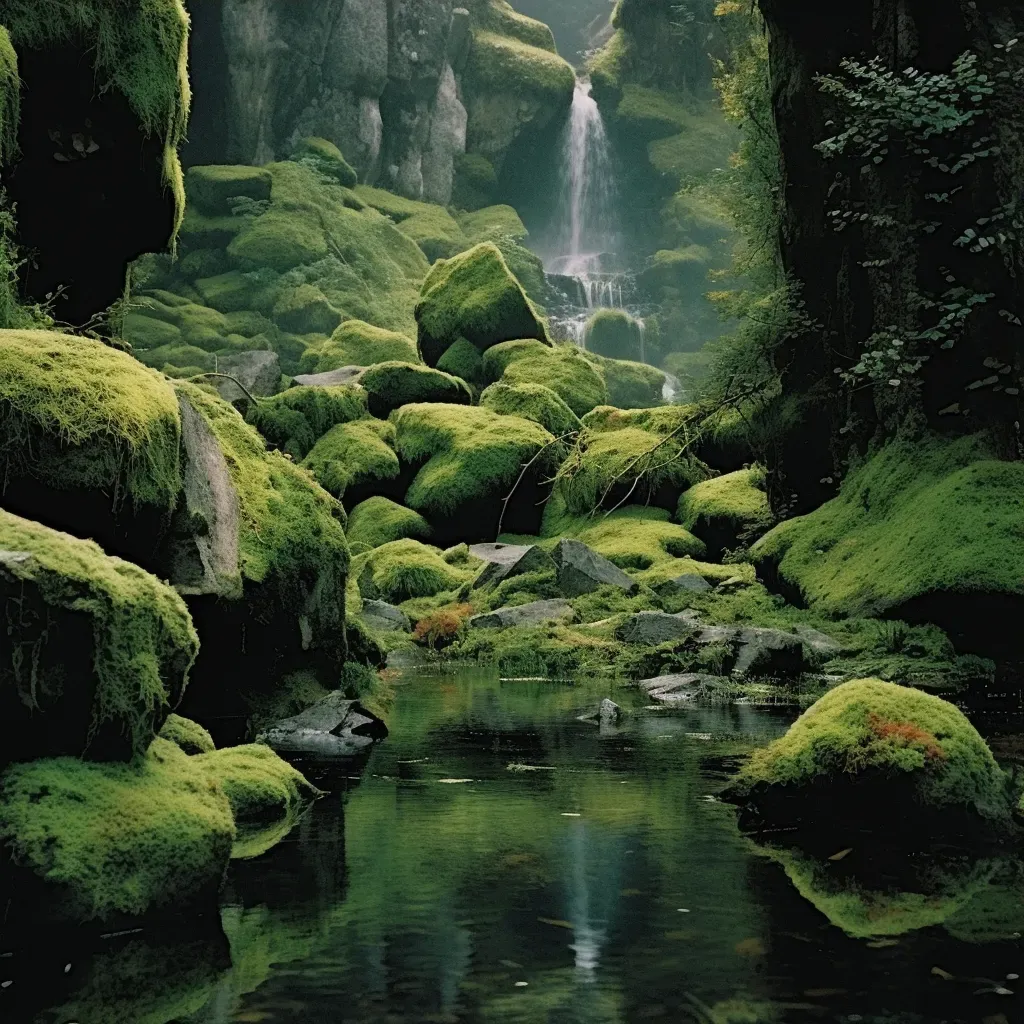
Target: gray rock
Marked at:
679, 688
688, 583
756, 651
333, 727
385, 617
655, 628
332, 378
532, 614
607, 713
582, 570
820, 643
504, 561
259, 372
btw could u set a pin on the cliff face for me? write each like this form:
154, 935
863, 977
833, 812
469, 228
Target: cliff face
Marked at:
403, 87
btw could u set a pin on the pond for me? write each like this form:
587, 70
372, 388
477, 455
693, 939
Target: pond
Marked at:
500, 860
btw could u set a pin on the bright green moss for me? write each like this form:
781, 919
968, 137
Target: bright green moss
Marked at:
436, 232
735, 503
297, 418
662, 420
143, 640
229, 292
10, 98
404, 569
280, 240
146, 333
392, 385
918, 518
190, 736
499, 16
870, 728
76, 413
471, 453
498, 358
380, 520
503, 64
139, 47
567, 372
325, 157
356, 343
305, 309
605, 468
492, 224
473, 296
353, 454
463, 360
630, 385
397, 207
261, 788
614, 333
214, 188
119, 838
532, 402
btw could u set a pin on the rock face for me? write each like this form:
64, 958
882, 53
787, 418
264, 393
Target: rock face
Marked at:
387, 81
656, 628
532, 614
582, 570
505, 561
755, 651
606, 714
386, 617
334, 727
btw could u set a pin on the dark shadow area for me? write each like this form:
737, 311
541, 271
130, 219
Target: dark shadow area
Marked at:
88, 187
208, 71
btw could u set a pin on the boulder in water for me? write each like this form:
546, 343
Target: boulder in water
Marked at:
606, 714
334, 727
680, 688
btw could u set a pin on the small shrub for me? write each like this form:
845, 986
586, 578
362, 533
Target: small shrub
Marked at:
440, 629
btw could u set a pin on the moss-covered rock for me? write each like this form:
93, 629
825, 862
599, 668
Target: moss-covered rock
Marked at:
471, 458
296, 419
213, 189
10, 98
356, 343
473, 296
118, 839
886, 755
190, 736
379, 520
727, 511
924, 531
354, 455
532, 402
391, 385
97, 654
463, 360
615, 334
326, 158
631, 385
405, 569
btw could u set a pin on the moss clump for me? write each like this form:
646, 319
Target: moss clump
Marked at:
436, 232
405, 569
391, 385
463, 360
356, 343
920, 520
499, 16
471, 453
380, 520
532, 402
75, 413
503, 64
190, 736
119, 838
215, 188
879, 738
326, 158
615, 334
567, 372
499, 358
143, 642
305, 309
631, 385
728, 510
280, 240
261, 788
353, 454
473, 296
492, 224
139, 48
297, 418
475, 181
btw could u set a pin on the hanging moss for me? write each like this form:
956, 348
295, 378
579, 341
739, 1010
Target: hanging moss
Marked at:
356, 343
143, 642
380, 520
354, 454
10, 98
190, 736
392, 385
532, 402
139, 47
297, 418
76, 413
119, 838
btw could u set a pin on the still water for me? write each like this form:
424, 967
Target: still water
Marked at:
498, 860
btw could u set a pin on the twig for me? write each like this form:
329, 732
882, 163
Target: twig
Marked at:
522, 475
227, 376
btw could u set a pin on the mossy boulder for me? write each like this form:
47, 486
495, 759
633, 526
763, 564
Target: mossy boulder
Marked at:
190, 736
305, 309
391, 385
356, 343
326, 158
532, 402
463, 359
474, 296
563, 369
880, 755
923, 531
296, 419
379, 520
99, 841
615, 334
214, 188
470, 460
405, 569
727, 511
97, 654
631, 385
354, 456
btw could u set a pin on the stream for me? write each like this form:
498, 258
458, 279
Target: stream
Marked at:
499, 860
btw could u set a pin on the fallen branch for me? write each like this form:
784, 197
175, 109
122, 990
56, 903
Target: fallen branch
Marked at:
525, 470
227, 376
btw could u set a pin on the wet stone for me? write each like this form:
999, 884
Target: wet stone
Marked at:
532, 614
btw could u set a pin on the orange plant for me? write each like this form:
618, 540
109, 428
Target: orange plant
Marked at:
906, 734
442, 628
